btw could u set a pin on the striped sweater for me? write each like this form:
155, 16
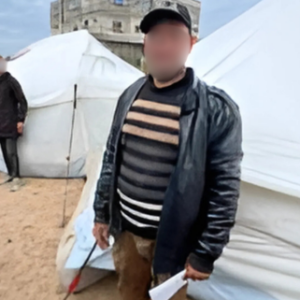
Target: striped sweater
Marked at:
150, 139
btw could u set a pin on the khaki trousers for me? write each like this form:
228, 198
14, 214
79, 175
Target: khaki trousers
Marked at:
133, 257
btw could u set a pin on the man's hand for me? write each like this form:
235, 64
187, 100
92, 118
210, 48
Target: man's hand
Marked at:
194, 275
20, 126
101, 234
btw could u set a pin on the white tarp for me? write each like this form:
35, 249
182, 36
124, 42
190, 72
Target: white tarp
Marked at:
48, 72
256, 60
77, 240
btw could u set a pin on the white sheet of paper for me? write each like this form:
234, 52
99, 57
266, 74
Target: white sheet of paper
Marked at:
166, 290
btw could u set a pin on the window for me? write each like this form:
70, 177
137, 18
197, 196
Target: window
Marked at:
137, 29
86, 23
73, 4
138, 62
145, 6
119, 2
117, 26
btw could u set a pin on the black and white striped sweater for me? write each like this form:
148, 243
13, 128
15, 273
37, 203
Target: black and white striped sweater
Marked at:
150, 139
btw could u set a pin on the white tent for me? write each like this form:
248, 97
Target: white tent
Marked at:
77, 240
255, 58
66, 76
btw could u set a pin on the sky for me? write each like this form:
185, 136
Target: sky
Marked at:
23, 22
216, 13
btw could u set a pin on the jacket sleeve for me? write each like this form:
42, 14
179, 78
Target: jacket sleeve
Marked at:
103, 189
102, 195
222, 183
20, 97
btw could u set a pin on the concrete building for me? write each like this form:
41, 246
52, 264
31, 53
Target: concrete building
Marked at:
113, 22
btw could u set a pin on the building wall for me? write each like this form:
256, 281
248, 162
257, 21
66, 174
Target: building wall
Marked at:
132, 53
55, 18
113, 22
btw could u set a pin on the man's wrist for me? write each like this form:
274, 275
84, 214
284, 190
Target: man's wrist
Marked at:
100, 220
201, 264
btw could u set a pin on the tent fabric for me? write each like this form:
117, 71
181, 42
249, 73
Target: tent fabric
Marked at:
262, 260
79, 243
255, 58
53, 73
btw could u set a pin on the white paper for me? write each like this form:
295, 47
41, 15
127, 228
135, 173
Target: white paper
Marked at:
166, 290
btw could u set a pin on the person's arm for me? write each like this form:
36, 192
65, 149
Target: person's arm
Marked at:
20, 97
103, 190
222, 184
102, 194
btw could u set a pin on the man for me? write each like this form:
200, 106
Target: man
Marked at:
170, 178
13, 110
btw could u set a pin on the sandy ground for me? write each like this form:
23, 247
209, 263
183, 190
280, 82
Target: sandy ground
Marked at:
29, 236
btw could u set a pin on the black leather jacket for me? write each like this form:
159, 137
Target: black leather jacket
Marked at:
201, 201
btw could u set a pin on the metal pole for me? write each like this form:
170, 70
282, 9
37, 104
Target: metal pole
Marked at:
69, 158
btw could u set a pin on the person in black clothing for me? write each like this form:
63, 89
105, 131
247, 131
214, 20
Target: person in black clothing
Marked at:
170, 178
13, 110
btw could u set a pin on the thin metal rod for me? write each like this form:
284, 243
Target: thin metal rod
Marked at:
69, 159
80, 271
88, 258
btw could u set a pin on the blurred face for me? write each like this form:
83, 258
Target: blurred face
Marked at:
166, 48
2, 65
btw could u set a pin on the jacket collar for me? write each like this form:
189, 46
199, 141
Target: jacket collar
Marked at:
4, 76
191, 103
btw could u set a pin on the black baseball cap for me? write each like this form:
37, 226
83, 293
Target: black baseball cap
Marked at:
167, 11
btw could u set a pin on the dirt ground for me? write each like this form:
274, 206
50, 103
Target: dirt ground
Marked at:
29, 236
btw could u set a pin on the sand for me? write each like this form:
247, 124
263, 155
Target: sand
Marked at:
30, 231
29, 236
